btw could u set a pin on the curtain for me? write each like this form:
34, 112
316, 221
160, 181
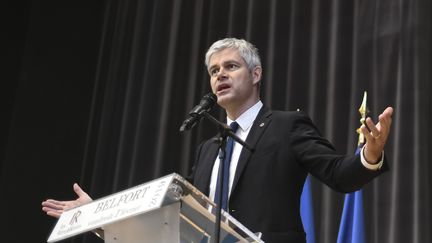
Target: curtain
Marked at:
317, 56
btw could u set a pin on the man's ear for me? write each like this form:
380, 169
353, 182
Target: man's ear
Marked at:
256, 74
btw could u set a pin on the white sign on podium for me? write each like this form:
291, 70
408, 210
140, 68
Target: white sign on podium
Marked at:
165, 210
115, 207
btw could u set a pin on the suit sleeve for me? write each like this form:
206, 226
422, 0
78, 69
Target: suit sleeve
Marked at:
191, 176
344, 173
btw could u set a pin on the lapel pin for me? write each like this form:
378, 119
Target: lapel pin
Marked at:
262, 124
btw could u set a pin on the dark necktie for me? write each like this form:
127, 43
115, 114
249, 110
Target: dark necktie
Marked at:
225, 179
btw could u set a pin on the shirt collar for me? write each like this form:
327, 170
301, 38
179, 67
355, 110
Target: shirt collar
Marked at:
246, 119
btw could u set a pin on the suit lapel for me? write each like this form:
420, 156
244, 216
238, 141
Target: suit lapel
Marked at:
203, 173
259, 126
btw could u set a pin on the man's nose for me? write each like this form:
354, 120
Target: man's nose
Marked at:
221, 74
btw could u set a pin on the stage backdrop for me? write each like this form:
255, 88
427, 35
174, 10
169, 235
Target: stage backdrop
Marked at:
95, 93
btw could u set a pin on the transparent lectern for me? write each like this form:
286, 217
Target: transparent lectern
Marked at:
168, 209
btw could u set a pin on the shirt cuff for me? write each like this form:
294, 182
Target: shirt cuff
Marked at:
370, 166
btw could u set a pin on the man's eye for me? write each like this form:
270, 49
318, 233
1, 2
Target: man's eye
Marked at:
214, 71
232, 66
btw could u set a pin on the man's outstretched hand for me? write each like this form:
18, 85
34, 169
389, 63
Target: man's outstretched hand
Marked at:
55, 208
376, 136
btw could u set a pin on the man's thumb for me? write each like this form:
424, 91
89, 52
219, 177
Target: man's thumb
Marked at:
78, 190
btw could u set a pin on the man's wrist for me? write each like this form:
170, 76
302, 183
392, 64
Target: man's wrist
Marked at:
370, 165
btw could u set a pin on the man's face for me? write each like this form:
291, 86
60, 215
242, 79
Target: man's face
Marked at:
231, 80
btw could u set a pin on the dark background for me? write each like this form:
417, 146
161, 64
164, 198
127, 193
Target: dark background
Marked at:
94, 92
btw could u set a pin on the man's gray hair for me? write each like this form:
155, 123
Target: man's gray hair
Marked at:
247, 51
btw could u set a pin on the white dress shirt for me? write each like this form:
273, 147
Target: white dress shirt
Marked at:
245, 122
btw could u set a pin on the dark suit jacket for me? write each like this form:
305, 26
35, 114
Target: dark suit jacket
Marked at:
268, 182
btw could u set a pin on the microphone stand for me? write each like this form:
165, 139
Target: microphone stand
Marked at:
225, 131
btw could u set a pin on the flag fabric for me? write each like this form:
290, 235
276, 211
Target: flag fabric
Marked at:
306, 211
351, 229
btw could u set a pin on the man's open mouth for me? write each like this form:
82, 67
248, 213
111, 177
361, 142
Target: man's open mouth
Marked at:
223, 87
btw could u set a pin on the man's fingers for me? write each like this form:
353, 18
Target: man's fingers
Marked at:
60, 203
54, 214
375, 132
50, 209
385, 120
54, 204
366, 133
384, 124
386, 116
388, 111
382, 128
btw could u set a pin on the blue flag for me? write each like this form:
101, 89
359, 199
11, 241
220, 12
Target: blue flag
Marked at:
351, 229
306, 212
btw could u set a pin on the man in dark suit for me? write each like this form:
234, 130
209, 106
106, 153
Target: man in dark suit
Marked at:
265, 185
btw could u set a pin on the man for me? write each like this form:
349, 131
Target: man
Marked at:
265, 185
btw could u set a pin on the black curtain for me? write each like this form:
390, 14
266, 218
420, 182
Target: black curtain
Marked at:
99, 90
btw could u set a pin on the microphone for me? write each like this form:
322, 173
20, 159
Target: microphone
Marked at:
206, 104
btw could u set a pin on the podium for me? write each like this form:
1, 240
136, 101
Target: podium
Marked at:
168, 209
